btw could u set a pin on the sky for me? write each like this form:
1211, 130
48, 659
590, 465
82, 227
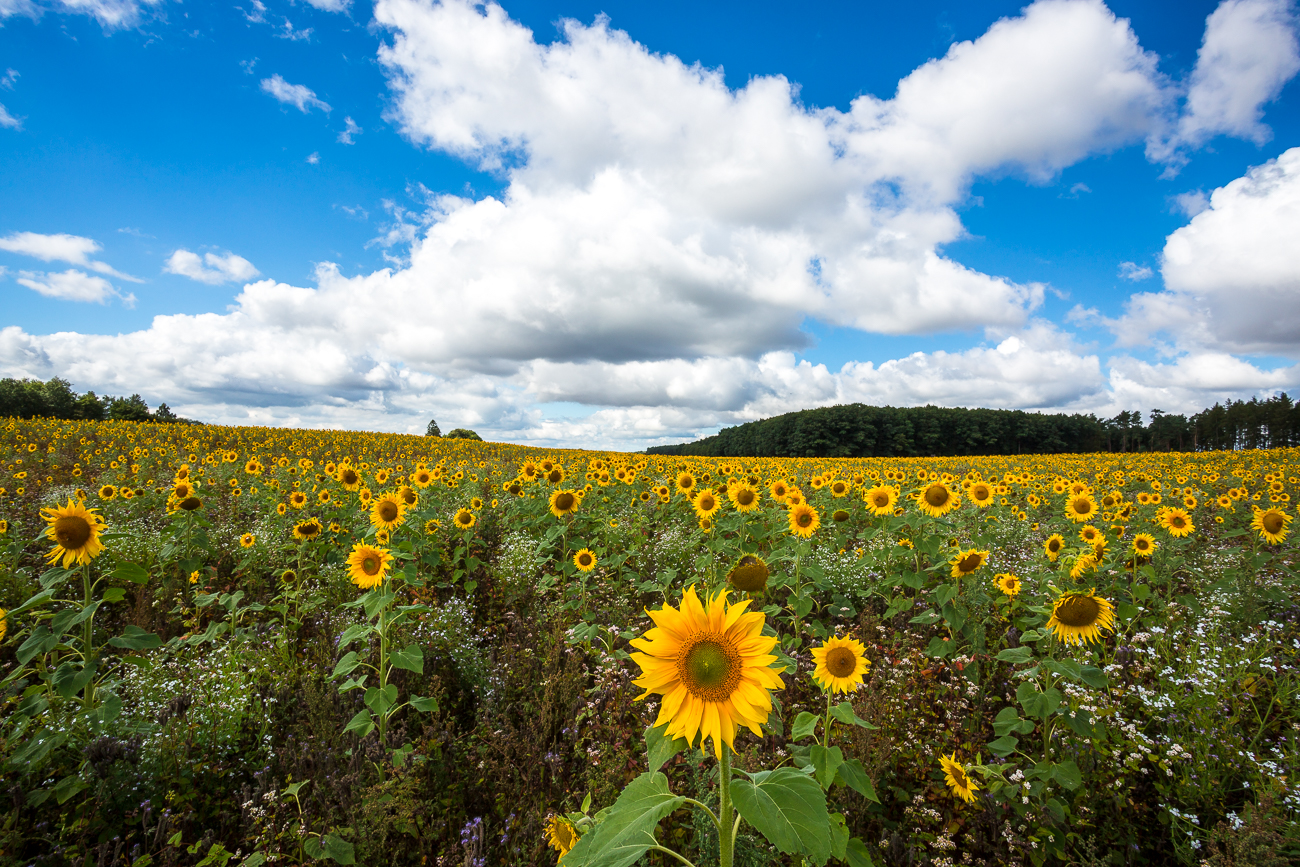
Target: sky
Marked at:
615, 224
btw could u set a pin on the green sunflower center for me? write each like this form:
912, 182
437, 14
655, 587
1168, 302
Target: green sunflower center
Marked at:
189, 504
370, 566
1081, 506
841, 662
710, 668
745, 497
1078, 611
804, 519
750, 574
72, 531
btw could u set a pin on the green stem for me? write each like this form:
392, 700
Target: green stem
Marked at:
672, 853
87, 636
726, 830
826, 724
383, 669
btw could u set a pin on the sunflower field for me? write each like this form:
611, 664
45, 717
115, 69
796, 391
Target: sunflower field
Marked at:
246, 646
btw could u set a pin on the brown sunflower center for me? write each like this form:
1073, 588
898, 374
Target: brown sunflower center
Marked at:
804, 519
1178, 522
388, 511
707, 503
189, 504
839, 488
1141, 544
584, 560
1054, 545
1273, 521
745, 497
839, 516
564, 501
710, 667
1081, 506
959, 778
465, 518
72, 531
970, 562
309, 530
555, 477
841, 662
408, 496
1078, 611
350, 477
981, 492
936, 495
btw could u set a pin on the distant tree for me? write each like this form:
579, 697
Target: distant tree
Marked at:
461, 433
60, 399
90, 407
432, 430
164, 413
23, 398
131, 408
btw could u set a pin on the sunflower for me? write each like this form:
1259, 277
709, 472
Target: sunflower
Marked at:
307, 530
1271, 524
4, 624
840, 664
528, 471
1177, 522
107, 492
387, 512
1007, 583
954, 774
323, 497
778, 490
744, 497
564, 502
1144, 544
981, 494
937, 499
1081, 507
1083, 564
711, 663
839, 516
706, 503
367, 566
281, 508
561, 835
476, 503
584, 560
76, 531
348, 477
966, 562
1053, 546
881, 499
1078, 617
804, 520
432, 526
297, 499
1091, 535
421, 478
464, 519
685, 483
839, 488
750, 574
247, 540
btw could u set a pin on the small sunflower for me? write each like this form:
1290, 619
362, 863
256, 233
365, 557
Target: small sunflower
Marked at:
685, 483
804, 520
247, 540
307, 530
107, 492
432, 526
367, 566
1078, 617
564, 502
981, 494
1271, 524
706, 503
958, 780
348, 477
297, 499
937, 499
1008, 583
387, 512
1144, 544
881, 499
1090, 535
750, 574
840, 664
464, 519
967, 562
561, 835
75, 529
1053, 546
840, 488
584, 560
1177, 522
288, 576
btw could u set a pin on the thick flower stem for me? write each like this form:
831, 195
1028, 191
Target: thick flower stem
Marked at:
826, 724
87, 636
726, 828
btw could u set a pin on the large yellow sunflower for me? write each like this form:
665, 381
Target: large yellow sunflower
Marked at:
564, 502
1271, 524
966, 562
954, 774
937, 499
1080, 507
367, 566
387, 512
1078, 617
712, 665
804, 520
840, 664
76, 531
881, 499
464, 519
981, 494
706, 503
744, 497
1177, 522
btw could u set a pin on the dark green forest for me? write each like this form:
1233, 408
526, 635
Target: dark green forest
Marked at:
857, 430
31, 398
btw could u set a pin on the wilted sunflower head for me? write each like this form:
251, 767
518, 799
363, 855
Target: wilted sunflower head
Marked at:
750, 574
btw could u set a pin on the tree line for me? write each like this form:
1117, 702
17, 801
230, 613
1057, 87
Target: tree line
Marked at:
858, 430
31, 398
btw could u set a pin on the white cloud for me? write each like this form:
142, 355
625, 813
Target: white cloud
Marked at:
8, 79
287, 32
1191, 203
70, 285
345, 137
313, 158
111, 14
331, 5
73, 249
7, 120
299, 96
256, 16
1135, 272
210, 268
1250, 51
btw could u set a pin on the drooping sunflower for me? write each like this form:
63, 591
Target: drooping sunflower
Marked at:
881, 499
840, 664
1083, 564
584, 560
564, 502
1008, 583
306, 530
387, 512
712, 665
1144, 544
464, 519
1271, 524
750, 574
1177, 522
937, 499
804, 520
288, 576
1052, 547
1080, 507
958, 780
247, 540
561, 835
706, 503
432, 526
981, 494
839, 516
1078, 617
966, 562
368, 565
75, 530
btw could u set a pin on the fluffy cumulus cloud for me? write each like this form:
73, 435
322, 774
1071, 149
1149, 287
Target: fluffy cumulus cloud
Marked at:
662, 238
62, 247
72, 285
210, 268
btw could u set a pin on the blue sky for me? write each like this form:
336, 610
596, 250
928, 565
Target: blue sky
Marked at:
797, 243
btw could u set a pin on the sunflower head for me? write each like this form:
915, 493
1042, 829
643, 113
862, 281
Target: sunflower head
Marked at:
706, 503
561, 835
966, 562
1053, 546
564, 502
744, 496
839, 516
1080, 507
1078, 617
387, 512
804, 520
306, 530
958, 780
1144, 544
464, 519
750, 574
247, 540
1008, 583
584, 560
1271, 524
75, 531
937, 499
840, 664
367, 565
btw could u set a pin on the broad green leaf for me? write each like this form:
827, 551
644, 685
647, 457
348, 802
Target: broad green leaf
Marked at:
135, 638
1008, 721
1035, 703
927, 618
660, 748
381, 700
70, 678
132, 572
352, 633
361, 724
853, 775
36, 748
1016, 655
940, 648
257, 859
857, 854
423, 704
294, 788
788, 808
1031, 635
1004, 746
114, 594
1080, 723
844, 713
627, 830
41, 641
32, 602
65, 788
944, 593
839, 835
346, 665
825, 763
338, 849
805, 725
354, 683
410, 658
110, 708
1068, 775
